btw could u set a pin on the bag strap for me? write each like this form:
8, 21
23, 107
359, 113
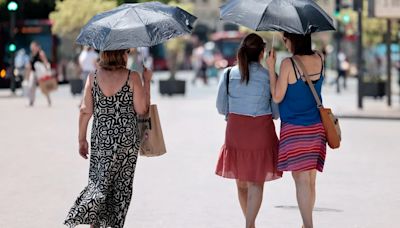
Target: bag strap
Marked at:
227, 91
310, 84
227, 80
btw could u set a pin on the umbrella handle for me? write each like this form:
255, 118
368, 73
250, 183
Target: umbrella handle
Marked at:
273, 41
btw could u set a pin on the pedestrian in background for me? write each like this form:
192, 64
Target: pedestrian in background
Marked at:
199, 64
87, 62
302, 146
114, 96
250, 151
398, 72
37, 56
343, 68
21, 64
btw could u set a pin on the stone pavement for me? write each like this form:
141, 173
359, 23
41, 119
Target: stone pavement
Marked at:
41, 172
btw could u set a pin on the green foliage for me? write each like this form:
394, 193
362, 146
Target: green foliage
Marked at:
71, 15
375, 28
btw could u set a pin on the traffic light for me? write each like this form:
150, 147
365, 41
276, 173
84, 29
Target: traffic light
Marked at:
346, 18
11, 47
337, 7
12, 6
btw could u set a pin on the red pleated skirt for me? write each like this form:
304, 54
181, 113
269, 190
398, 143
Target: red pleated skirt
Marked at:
250, 151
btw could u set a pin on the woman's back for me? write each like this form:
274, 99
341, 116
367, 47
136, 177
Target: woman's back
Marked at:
299, 106
114, 97
252, 98
113, 110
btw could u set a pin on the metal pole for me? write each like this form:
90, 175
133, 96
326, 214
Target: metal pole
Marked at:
360, 63
12, 55
338, 49
398, 63
389, 62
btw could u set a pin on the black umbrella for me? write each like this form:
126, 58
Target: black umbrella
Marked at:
135, 25
293, 16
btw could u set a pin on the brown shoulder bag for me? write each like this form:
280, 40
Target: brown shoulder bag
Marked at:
329, 120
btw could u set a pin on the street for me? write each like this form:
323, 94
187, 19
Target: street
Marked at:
41, 172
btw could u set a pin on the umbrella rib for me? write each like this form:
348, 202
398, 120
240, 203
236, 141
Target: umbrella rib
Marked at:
148, 35
116, 22
298, 15
266, 8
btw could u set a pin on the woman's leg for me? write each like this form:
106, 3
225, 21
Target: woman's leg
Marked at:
48, 99
305, 192
313, 176
254, 199
242, 192
32, 89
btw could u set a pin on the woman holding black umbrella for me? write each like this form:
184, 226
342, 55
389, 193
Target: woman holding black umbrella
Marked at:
250, 152
302, 146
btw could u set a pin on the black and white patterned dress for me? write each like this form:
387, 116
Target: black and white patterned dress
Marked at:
114, 150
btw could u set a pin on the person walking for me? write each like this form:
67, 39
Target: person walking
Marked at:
302, 146
87, 62
114, 96
343, 68
250, 151
37, 56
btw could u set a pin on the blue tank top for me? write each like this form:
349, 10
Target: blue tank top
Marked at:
299, 107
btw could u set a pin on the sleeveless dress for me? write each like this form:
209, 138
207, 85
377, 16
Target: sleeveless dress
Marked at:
302, 144
114, 150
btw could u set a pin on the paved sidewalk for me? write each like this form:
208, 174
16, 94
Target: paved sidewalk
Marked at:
345, 104
41, 172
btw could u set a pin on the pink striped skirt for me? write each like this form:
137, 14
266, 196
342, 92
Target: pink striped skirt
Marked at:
302, 148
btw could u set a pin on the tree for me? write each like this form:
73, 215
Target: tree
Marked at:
71, 15
373, 28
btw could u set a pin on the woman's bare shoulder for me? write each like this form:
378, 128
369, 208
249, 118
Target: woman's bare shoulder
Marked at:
134, 78
286, 64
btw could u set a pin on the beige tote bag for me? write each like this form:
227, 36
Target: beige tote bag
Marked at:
152, 140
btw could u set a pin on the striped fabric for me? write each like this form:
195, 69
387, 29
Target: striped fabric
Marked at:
302, 148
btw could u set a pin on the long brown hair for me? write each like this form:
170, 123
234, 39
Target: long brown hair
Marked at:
112, 60
249, 51
301, 43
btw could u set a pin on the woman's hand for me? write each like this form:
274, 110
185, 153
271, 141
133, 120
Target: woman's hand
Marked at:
147, 74
271, 60
83, 148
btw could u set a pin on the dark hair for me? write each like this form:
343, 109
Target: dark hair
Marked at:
35, 42
301, 44
112, 60
249, 51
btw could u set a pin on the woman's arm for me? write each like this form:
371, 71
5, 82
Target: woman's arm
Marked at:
86, 112
43, 58
278, 84
222, 96
141, 99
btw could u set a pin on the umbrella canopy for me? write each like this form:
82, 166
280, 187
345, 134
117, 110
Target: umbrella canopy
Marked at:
293, 16
135, 25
